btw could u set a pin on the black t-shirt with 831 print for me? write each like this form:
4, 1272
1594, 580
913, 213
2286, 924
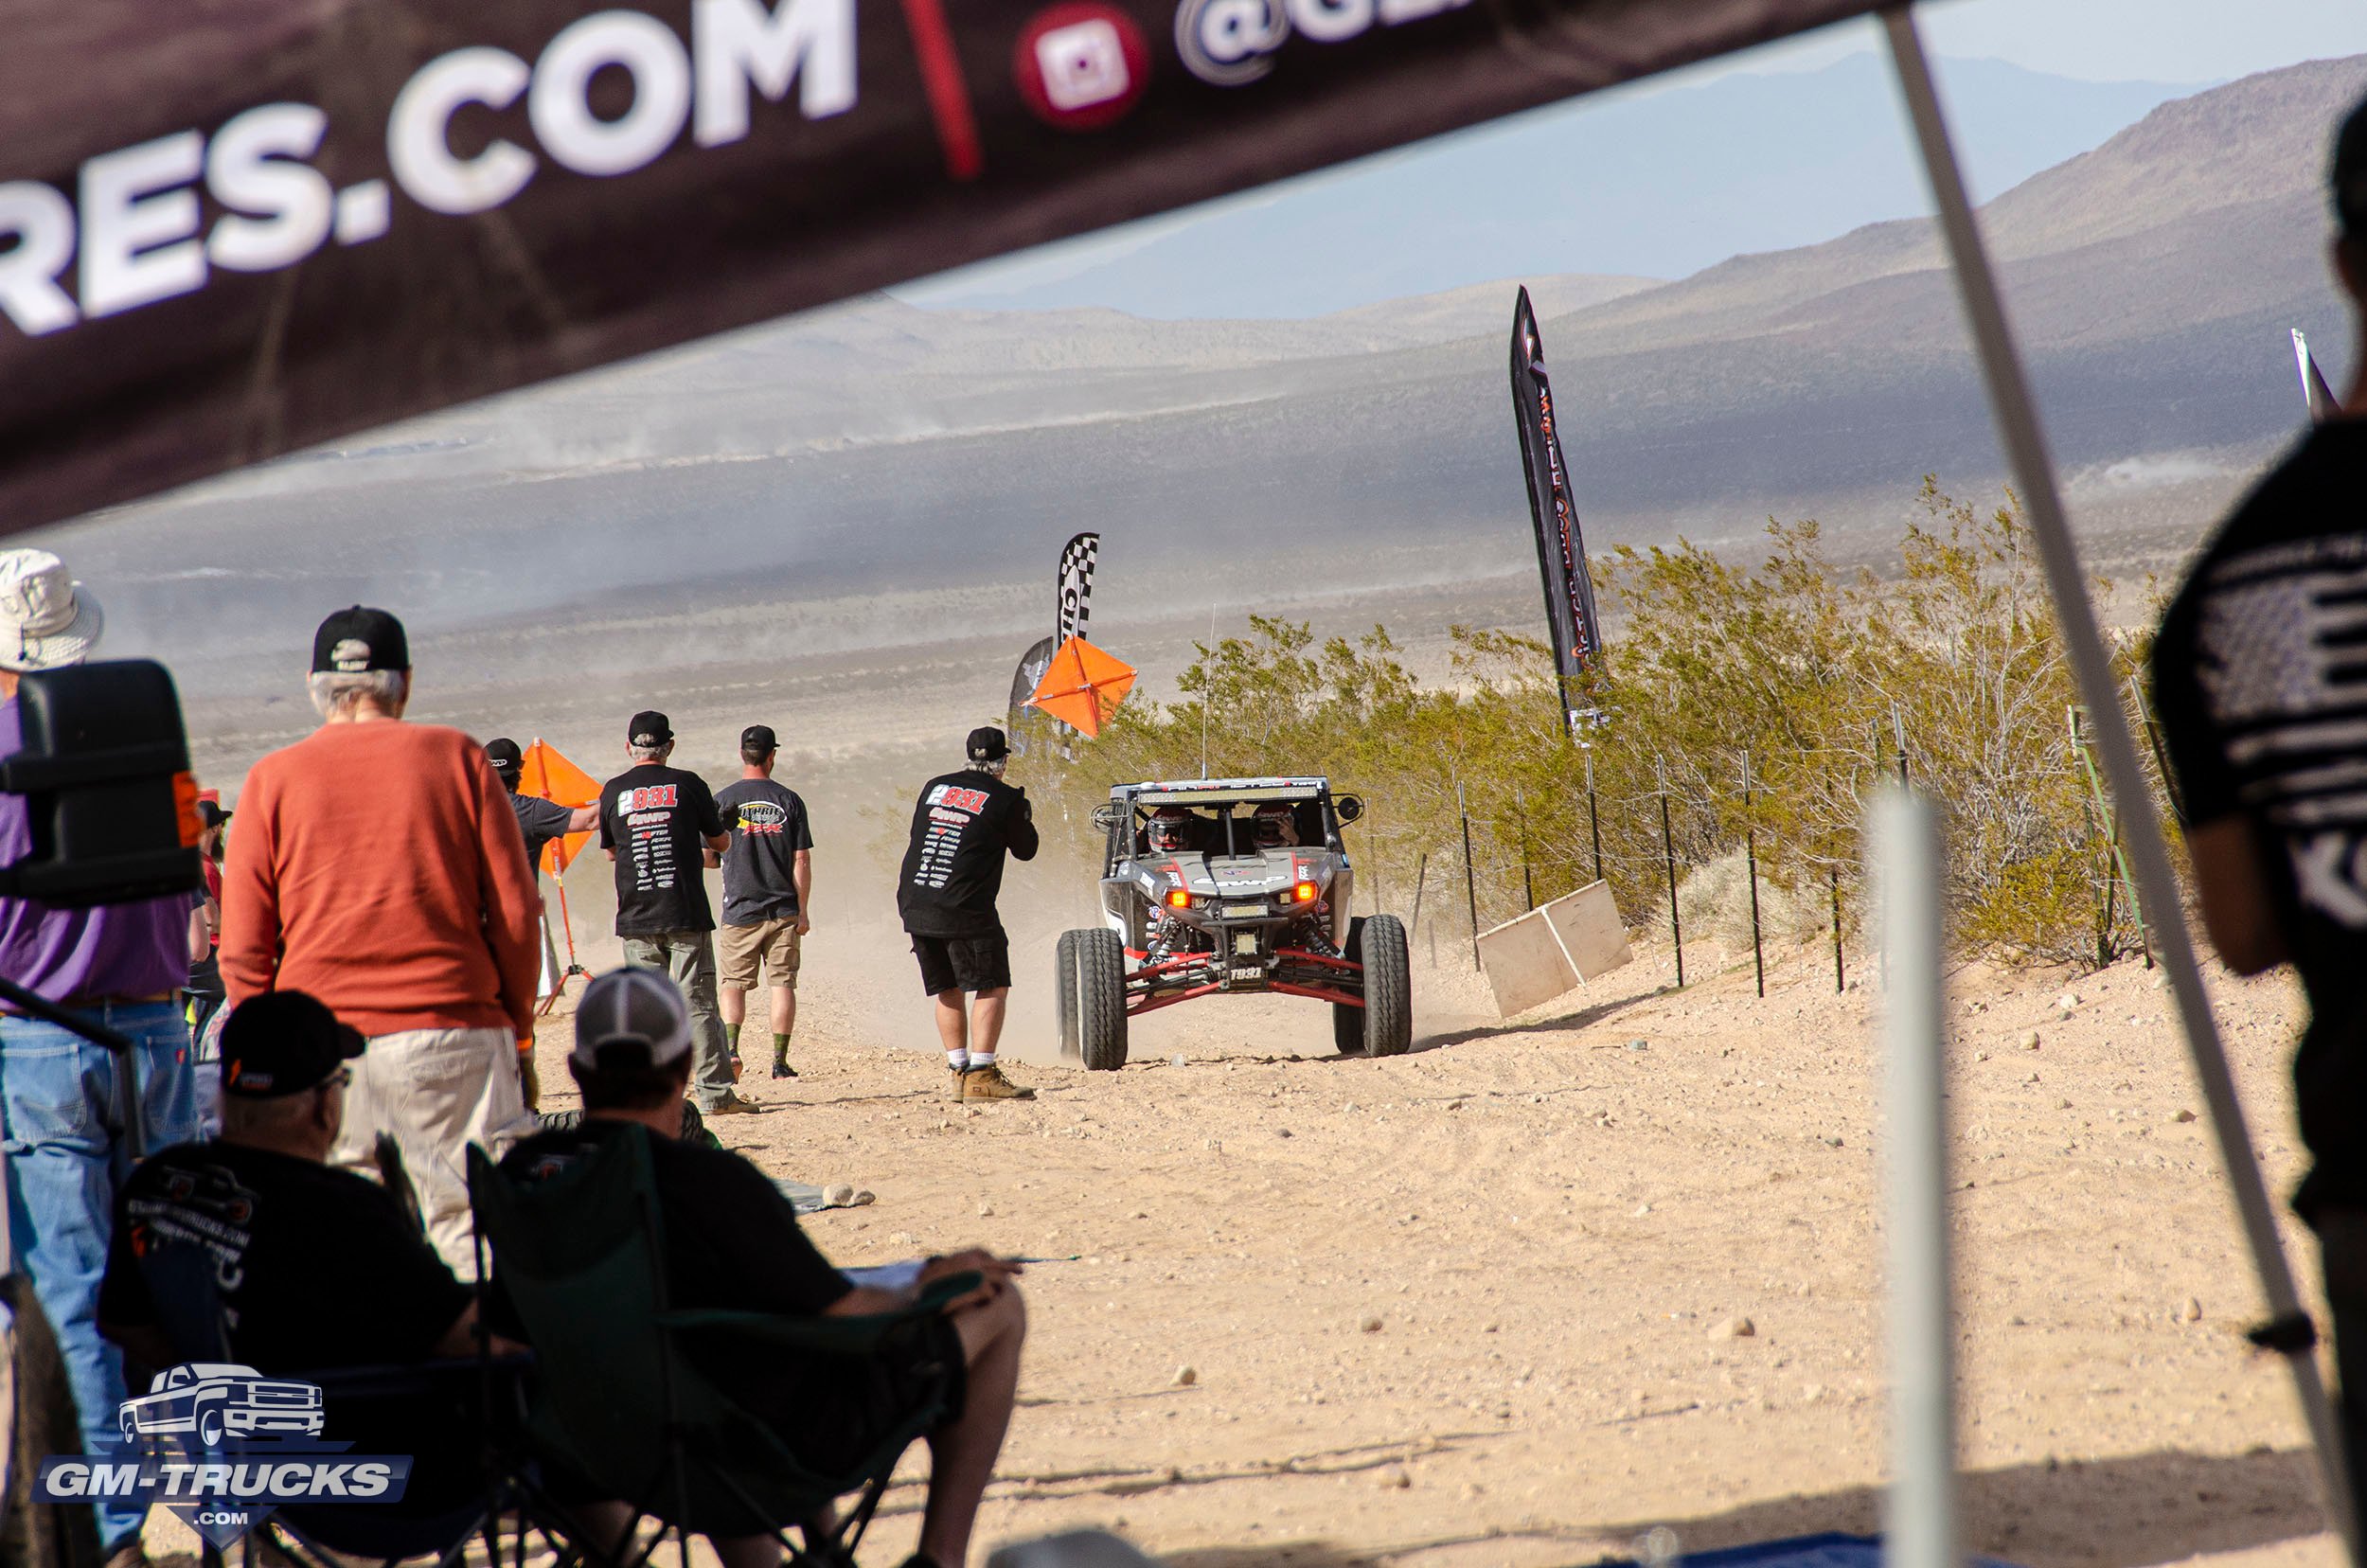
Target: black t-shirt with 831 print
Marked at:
658, 820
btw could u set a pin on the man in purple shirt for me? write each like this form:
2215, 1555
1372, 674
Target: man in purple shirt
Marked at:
62, 1097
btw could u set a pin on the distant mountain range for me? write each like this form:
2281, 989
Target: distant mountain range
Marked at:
1658, 180
877, 445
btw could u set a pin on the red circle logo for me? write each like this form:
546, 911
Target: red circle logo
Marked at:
1081, 65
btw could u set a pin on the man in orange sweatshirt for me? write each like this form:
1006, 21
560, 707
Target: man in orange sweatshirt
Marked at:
378, 865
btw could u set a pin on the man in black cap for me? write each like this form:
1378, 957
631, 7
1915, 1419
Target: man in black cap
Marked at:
659, 823
963, 825
313, 1267
768, 881
377, 866
540, 822
2260, 686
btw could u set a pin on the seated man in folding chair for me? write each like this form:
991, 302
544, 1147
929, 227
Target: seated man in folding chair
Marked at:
732, 1242
255, 1248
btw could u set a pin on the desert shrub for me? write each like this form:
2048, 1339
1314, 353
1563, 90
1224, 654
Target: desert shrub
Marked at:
1816, 679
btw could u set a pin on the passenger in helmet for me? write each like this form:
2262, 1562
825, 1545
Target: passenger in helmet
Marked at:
1275, 823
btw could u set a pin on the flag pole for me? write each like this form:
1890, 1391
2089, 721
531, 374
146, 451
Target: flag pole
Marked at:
2290, 1330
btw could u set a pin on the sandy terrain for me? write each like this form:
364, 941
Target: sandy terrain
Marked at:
1470, 1305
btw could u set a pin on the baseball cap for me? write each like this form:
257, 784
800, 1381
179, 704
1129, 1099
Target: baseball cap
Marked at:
987, 744
358, 639
504, 754
48, 620
648, 728
210, 814
630, 1019
758, 737
284, 1043
2348, 177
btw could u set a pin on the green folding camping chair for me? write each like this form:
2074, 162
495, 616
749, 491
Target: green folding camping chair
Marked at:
617, 1404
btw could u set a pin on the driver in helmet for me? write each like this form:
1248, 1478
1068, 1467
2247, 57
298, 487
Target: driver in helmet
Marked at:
1275, 824
1171, 831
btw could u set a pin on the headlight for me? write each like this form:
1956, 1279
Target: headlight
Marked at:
1304, 893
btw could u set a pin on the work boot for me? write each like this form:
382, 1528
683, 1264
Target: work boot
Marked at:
730, 1104
988, 1083
953, 1081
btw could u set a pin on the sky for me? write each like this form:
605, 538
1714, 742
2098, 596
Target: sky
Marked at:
1176, 264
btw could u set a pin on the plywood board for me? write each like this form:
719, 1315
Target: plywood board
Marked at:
1592, 934
1524, 963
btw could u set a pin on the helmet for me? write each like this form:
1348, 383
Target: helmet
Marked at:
1275, 824
1170, 829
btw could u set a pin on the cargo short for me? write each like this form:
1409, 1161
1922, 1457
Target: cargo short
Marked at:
768, 945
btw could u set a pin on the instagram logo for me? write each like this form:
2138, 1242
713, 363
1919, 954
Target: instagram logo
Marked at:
1082, 66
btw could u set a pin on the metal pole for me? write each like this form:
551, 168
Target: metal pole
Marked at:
1471, 883
1898, 732
2288, 1331
1919, 1510
1751, 858
1668, 854
1593, 823
1841, 979
1421, 875
1528, 886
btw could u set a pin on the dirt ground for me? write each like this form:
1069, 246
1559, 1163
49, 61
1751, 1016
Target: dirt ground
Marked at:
1477, 1304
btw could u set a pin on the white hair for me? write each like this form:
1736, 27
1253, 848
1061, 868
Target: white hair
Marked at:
650, 754
994, 769
335, 692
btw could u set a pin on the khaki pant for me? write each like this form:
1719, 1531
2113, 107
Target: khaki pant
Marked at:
688, 956
437, 1091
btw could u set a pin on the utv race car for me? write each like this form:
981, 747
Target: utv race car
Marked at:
1230, 884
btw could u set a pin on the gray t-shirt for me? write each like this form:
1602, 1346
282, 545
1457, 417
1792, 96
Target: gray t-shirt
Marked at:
767, 822
540, 821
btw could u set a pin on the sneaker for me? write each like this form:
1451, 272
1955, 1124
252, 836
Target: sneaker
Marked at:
730, 1104
988, 1083
736, 1066
781, 1069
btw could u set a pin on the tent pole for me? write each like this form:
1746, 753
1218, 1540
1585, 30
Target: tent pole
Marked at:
2289, 1328
1919, 1507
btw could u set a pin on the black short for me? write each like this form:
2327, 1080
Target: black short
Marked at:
963, 963
832, 1413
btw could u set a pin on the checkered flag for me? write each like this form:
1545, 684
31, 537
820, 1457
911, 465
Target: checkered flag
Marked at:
1076, 586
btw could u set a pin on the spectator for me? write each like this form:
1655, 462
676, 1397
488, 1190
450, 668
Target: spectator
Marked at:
2258, 681
62, 1097
378, 866
767, 883
732, 1243
658, 824
540, 822
203, 984
283, 1231
963, 825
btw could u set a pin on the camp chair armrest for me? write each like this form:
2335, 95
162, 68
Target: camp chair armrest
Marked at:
829, 1336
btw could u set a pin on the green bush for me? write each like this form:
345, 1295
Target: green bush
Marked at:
1815, 675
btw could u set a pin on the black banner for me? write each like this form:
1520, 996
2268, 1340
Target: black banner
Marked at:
1560, 547
227, 237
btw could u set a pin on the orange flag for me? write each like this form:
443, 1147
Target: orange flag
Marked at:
1083, 686
552, 776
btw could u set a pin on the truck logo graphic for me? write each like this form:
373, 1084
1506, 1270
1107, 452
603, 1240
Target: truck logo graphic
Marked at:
223, 1446
214, 1400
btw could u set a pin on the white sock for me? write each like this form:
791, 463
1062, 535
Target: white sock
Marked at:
958, 1060
981, 1058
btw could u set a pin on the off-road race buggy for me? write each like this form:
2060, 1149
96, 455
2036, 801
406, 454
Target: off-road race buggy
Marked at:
1230, 884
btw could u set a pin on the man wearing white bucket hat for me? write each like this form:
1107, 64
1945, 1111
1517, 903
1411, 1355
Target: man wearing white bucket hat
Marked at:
61, 1097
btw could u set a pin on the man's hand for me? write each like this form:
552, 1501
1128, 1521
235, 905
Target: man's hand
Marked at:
804, 925
998, 1272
